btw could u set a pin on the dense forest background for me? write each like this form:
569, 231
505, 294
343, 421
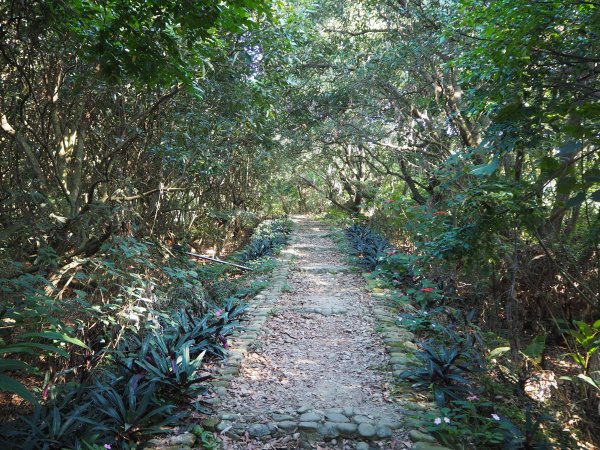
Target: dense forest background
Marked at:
465, 131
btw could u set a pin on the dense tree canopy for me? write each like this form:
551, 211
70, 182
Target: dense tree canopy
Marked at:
466, 131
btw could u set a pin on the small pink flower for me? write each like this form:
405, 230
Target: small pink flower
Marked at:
107, 446
391, 252
472, 397
437, 421
426, 289
387, 202
446, 419
439, 213
218, 312
495, 417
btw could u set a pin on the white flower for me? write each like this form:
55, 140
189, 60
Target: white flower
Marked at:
437, 421
447, 420
495, 417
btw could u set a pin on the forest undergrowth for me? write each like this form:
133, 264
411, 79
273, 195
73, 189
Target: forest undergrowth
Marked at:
115, 353
465, 132
484, 398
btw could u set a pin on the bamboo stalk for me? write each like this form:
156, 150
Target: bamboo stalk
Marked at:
208, 258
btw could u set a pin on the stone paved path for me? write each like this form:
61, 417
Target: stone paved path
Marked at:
315, 374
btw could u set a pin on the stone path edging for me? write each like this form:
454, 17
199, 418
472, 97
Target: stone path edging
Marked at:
400, 345
246, 336
241, 339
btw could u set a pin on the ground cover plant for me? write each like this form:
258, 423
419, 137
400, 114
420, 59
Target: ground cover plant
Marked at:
367, 246
459, 138
267, 238
135, 375
453, 366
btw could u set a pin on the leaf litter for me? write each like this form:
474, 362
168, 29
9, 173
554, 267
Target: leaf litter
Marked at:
319, 350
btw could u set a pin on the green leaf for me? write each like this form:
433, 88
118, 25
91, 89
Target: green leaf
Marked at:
485, 169
565, 185
9, 384
578, 359
576, 130
584, 328
535, 349
498, 351
14, 364
57, 336
31, 348
589, 380
509, 112
574, 201
548, 164
592, 176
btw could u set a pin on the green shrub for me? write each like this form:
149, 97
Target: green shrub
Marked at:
130, 411
368, 247
444, 371
268, 237
66, 421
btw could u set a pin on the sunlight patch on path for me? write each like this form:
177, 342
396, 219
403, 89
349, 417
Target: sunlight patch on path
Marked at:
317, 375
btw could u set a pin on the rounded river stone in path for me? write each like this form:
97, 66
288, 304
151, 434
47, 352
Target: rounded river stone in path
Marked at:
316, 376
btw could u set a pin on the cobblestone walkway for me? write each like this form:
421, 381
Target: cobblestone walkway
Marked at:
314, 372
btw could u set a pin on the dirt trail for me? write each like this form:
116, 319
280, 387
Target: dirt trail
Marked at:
317, 376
